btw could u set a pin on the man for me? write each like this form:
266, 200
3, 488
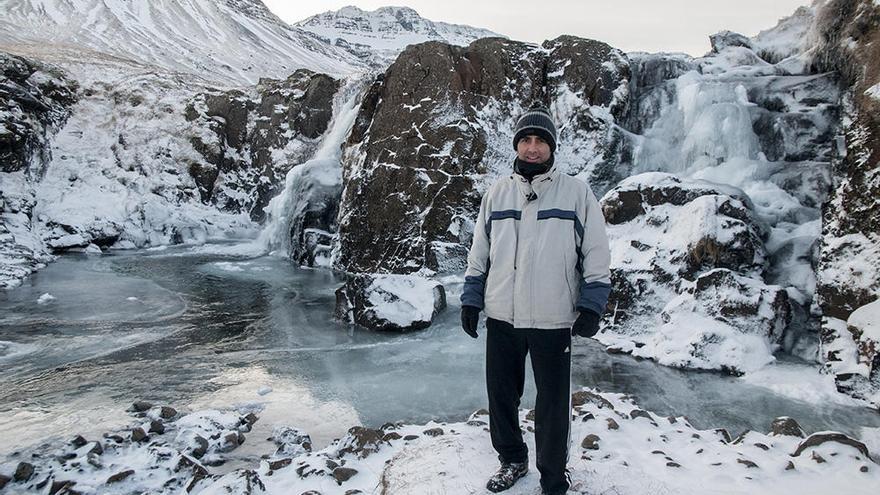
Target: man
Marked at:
539, 268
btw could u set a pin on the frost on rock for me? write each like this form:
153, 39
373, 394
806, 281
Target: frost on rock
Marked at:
390, 302
692, 253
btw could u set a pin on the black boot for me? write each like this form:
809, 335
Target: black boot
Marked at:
507, 475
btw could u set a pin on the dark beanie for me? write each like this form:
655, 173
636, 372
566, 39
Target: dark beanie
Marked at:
536, 121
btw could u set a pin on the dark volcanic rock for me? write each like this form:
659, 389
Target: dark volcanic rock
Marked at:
35, 101
396, 303
442, 115
361, 441
786, 426
246, 135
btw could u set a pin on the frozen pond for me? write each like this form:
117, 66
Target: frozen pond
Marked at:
192, 329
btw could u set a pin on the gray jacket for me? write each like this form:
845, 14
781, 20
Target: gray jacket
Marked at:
535, 262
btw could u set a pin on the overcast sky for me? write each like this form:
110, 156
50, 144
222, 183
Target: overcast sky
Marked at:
631, 25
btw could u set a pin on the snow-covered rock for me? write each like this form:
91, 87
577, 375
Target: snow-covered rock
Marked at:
390, 302
617, 447
687, 261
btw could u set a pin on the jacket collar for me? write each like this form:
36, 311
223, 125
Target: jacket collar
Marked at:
539, 184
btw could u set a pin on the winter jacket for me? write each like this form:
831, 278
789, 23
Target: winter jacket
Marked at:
539, 253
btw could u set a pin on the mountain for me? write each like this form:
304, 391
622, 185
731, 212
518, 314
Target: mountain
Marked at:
232, 42
385, 31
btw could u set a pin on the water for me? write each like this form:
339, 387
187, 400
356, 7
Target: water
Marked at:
194, 329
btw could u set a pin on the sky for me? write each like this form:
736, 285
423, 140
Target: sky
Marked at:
630, 25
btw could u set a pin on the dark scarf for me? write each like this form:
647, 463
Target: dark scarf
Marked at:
530, 170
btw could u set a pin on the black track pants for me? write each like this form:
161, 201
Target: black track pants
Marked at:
550, 351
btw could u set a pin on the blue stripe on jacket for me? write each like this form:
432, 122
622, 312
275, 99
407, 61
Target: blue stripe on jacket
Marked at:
501, 215
593, 296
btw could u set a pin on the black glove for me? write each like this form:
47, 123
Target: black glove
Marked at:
470, 316
586, 325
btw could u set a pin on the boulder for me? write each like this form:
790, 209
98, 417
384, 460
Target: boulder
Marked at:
291, 441
439, 123
396, 303
361, 442
785, 426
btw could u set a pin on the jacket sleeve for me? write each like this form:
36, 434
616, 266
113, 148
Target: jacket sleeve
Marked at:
478, 260
595, 286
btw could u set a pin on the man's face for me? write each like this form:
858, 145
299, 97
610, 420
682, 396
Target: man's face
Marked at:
533, 149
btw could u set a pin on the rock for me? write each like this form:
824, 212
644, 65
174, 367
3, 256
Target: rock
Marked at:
396, 303
817, 439
291, 441
96, 449
612, 425
140, 406
156, 427
390, 436
361, 442
725, 436
590, 442
279, 464
166, 412
250, 419
818, 458
726, 39
138, 435
198, 448
673, 464
433, 432
789, 466
410, 437
747, 463
784, 425
119, 476
530, 416
583, 397
343, 474
78, 441
638, 413
249, 144
428, 139
59, 487
4, 480
23, 471
229, 442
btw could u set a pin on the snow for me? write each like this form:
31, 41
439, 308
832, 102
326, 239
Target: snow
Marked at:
867, 320
873, 91
635, 452
45, 298
412, 298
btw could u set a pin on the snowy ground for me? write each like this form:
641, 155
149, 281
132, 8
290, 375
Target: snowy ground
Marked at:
616, 448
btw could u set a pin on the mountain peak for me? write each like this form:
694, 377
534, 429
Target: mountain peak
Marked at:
385, 30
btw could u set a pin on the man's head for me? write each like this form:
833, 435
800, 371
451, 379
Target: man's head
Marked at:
535, 135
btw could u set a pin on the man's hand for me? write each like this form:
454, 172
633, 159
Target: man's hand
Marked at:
470, 316
586, 325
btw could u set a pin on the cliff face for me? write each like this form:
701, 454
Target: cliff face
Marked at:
438, 124
848, 33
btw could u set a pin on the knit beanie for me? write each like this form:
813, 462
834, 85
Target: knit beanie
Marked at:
536, 121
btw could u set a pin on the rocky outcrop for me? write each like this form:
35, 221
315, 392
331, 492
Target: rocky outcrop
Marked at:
250, 141
848, 33
437, 125
692, 252
396, 303
35, 100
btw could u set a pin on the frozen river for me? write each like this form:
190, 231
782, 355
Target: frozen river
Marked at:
193, 329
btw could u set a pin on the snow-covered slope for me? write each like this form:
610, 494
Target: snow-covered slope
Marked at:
386, 31
227, 41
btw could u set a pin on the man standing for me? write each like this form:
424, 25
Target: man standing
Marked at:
539, 268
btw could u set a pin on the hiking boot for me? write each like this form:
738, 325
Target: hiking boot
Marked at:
507, 475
